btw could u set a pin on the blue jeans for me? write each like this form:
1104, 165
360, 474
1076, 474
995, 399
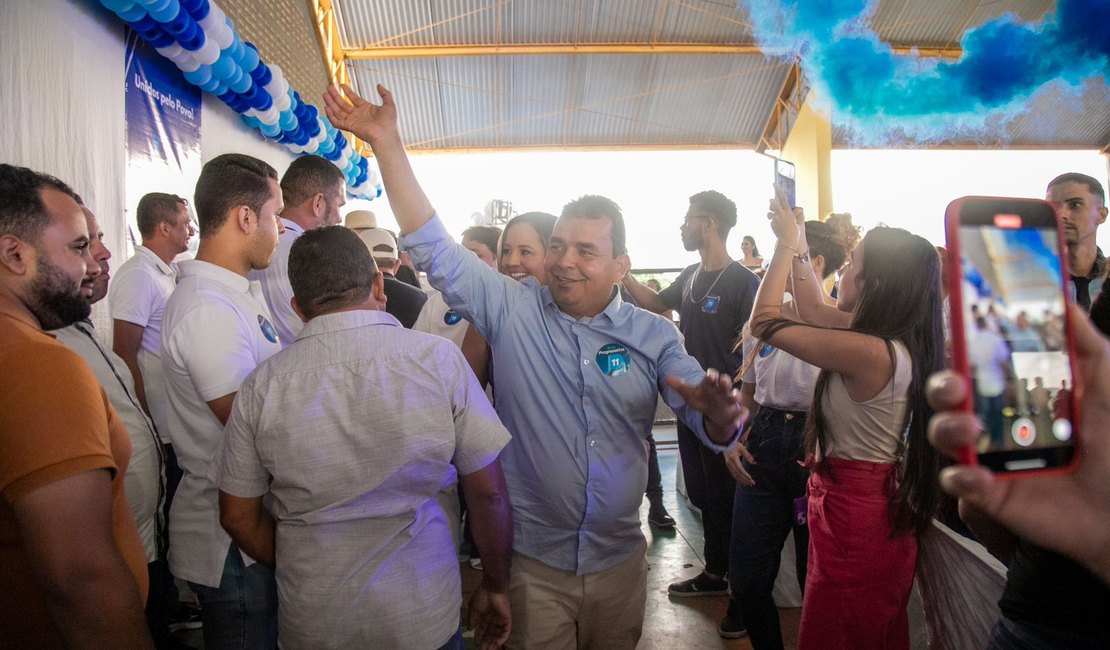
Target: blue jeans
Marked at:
242, 613
1014, 635
762, 517
454, 643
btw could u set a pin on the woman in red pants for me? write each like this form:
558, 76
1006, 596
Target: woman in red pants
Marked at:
873, 489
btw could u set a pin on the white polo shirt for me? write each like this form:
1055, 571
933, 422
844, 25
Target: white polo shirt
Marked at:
215, 332
140, 288
276, 288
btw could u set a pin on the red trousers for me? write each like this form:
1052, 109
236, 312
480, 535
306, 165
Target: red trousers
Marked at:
859, 578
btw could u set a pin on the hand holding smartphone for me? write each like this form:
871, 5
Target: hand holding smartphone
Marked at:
1011, 333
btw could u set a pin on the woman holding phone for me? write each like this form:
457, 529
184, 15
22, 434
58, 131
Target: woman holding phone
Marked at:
873, 489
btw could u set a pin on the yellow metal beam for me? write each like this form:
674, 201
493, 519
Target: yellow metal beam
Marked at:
327, 34
423, 51
331, 47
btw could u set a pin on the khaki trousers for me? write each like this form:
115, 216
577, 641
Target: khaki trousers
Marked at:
558, 610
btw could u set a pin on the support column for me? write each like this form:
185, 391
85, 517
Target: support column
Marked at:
809, 147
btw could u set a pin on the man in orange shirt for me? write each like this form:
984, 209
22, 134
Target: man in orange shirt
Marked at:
71, 563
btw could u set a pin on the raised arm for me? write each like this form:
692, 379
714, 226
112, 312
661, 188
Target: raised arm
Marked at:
377, 126
645, 297
863, 360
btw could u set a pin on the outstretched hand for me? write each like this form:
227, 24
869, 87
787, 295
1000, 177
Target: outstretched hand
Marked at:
368, 121
734, 461
490, 617
717, 400
1067, 513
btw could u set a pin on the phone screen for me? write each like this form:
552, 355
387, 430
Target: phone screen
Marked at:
784, 178
1016, 340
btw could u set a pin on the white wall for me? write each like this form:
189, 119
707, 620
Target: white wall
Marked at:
62, 108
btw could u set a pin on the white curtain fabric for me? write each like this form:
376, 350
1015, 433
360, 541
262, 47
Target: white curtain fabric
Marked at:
61, 108
960, 584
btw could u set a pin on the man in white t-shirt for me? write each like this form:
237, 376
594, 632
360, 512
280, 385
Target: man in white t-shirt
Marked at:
313, 190
139, 292
216, 330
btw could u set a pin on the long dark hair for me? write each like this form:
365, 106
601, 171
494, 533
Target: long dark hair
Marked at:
900, 300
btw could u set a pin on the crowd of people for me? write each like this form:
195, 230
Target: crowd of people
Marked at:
291, 425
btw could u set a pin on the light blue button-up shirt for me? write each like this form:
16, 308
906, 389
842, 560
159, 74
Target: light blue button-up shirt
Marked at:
578, 397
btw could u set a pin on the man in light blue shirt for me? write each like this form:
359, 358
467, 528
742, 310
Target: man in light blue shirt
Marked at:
578, 371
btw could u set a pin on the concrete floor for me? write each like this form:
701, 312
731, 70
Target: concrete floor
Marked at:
673, 555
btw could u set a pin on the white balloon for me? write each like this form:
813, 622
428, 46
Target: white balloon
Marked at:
222, 34
171, 51
208, 53
294, 147
187, 63
214, 19
281, 100
269, 116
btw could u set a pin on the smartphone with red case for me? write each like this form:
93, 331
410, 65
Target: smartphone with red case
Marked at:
1011, 333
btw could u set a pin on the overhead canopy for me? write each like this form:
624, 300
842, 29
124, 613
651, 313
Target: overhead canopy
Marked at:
502, 74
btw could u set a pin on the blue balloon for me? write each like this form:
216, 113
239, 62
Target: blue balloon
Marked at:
118, 5
181, 23
264, 101
131, 14
190, 5
312, 127
198, 9
326, 147
364, 163
193, 41
167, 13
271, 130
225, 66
199, 77
210, 85
340, 141
242, 83
251, 121
157, 37
144, 23
288, 120
154, 6
262, 74
303, 137
250, 57
237, 48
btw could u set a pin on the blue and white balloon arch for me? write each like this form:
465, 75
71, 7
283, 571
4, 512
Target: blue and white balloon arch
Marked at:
203, 43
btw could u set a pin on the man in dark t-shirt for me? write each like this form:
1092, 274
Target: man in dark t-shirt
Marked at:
713, 299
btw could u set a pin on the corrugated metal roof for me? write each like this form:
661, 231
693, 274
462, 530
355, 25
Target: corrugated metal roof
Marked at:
643, 99
578, 100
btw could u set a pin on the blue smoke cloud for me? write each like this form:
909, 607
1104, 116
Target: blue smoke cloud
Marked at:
883, 97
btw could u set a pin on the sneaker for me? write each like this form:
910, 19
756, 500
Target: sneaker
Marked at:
732, 626
701, 585
185, 618
659, 517
476, 563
